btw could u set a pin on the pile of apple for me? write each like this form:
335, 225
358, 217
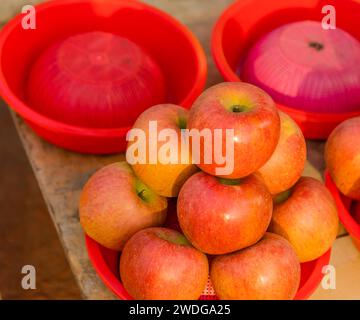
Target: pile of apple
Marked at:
247, 231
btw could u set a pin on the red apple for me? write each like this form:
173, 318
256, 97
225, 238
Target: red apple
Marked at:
161, 264
268, 270
342, 156
115, 204
247, 110
287, 162
307, 217
220, 215
164, 178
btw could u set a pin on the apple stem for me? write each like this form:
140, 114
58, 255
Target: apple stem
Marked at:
238, 108
182, 123
141, 194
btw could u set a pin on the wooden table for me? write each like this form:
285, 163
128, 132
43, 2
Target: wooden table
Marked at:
62, 174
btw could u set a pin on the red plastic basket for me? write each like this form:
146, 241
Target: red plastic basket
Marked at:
344, 206
245, 21
106, 264
172, 45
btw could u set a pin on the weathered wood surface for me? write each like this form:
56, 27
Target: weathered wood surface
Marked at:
61, 174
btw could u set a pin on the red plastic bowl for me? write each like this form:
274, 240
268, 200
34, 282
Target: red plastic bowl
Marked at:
95, 79
244, 22
344, 206
172, 45
106, 264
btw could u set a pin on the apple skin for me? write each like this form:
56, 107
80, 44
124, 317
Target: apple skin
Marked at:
256, 127
112, 210
165, 179
161, 264
287, 163
268, 270
342, 157
219, 218
307, 218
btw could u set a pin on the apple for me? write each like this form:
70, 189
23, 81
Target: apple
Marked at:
161, 264
268, 270
115, 204
164, 178
342, 157
247, 110
306, 216
287, 162
219, 215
